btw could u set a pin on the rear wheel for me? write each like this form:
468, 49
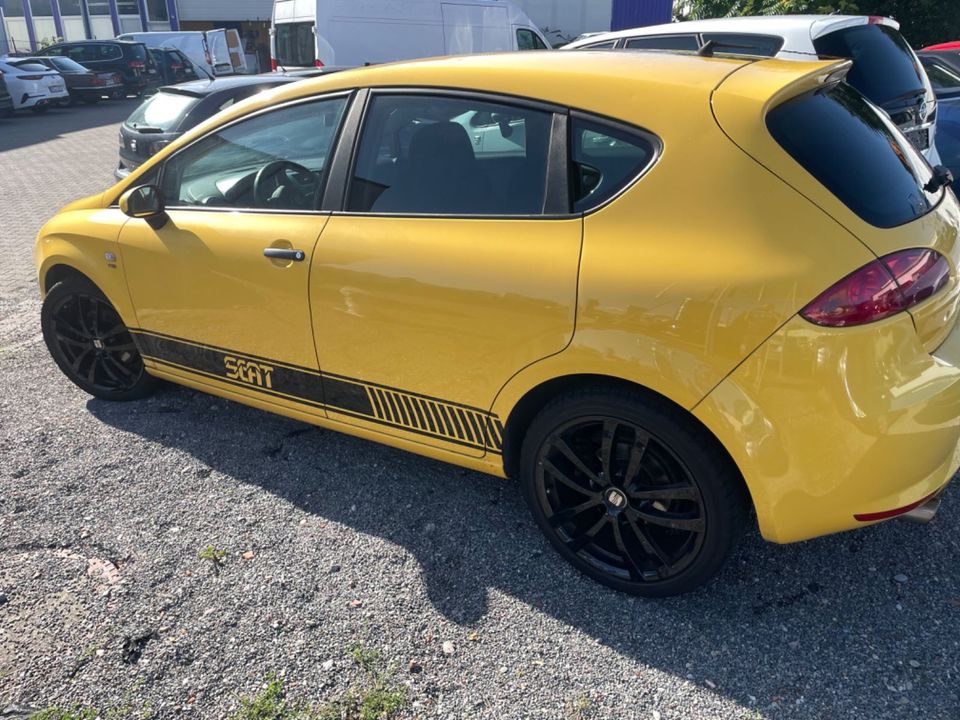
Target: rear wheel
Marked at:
631, 492
90, 344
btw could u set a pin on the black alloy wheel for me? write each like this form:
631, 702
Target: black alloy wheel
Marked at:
632, 493
91, 345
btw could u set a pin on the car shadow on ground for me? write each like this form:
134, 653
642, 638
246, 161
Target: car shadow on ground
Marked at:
25, 128
824, 616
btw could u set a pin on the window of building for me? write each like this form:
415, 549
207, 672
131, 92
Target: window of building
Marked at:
41, 8
157, 10
12, 8
70, 8
98, 7
451, 156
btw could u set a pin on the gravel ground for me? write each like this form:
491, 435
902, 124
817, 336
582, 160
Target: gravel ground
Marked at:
333, 542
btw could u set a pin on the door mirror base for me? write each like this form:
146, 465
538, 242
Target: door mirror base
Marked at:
145, 202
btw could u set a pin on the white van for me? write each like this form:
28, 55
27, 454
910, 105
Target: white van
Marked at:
315, 33
218, 52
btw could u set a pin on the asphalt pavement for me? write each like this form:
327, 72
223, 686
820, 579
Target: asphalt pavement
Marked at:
166, 557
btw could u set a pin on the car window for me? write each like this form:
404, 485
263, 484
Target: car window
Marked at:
29, 65
599, 46
108, 52
67, 65
272, 161
884, 67
663, 42
604, 160
856, 152
941, 77
741, 44
451, 156
527, 40
162, 112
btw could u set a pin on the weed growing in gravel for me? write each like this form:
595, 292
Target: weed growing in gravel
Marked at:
376, 699
55, 713
270, 704
215, 556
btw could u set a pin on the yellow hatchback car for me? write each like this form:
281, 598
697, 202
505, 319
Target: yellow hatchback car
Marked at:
661, 290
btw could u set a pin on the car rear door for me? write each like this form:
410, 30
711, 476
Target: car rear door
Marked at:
447, 271
220, 289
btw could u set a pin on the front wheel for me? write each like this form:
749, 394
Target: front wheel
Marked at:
631, 491
90, 344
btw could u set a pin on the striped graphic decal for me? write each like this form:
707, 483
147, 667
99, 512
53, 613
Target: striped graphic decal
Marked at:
421, 414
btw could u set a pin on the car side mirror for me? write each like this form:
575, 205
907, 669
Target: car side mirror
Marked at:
144, 202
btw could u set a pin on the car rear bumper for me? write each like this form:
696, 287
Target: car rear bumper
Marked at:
831, 425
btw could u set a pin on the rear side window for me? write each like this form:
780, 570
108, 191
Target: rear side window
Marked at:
295, 44
856, 153
663, 42
137, 52
733, 44
108, 52
604, 160
884, 67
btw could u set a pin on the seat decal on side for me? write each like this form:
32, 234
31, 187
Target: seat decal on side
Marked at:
433, 417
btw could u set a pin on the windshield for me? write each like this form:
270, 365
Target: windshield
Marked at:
857, 153
884, 67
164, 111
295, 44
67, 65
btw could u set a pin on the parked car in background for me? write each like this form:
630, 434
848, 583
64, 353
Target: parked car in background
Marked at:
885, 68
130, 59
949, 56
6, 102
173, 110
946, 83
174, 66
83, 84
32, 85
308, 33
943, 76
731, 290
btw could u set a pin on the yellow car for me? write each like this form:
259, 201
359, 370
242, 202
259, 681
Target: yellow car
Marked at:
661, 290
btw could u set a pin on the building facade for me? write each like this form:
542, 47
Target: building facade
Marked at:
29, 24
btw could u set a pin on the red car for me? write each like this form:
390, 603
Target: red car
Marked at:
83, 84
955, 45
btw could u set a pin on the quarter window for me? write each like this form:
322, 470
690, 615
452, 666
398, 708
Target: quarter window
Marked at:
604, 159
733, 44
274, 161
451, 156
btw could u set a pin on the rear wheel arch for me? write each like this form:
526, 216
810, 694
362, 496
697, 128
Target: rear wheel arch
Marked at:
535, 399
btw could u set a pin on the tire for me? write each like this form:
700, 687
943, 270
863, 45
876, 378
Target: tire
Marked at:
90, 344
665, 470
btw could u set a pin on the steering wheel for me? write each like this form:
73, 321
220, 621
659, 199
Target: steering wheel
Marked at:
301, 179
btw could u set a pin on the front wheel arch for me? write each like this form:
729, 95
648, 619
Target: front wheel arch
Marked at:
59, 273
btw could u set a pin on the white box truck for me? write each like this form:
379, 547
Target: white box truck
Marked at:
217, 52
317, 33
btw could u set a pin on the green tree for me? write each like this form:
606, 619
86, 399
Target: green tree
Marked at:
923, 22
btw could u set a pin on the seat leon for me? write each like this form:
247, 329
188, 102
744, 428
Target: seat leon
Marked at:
665, 292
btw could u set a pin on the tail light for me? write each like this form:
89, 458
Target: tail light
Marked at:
273, 64
176, 66
317, 63
884, 287
30, 77
155, 147
99, 82
137, 64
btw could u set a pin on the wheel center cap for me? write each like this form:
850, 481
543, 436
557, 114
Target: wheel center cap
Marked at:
616, 500
98, 343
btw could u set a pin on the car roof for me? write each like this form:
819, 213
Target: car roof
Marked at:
811, 26
110, 41
205, 88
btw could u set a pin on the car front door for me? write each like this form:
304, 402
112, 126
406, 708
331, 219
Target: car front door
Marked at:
220, 290
449, 269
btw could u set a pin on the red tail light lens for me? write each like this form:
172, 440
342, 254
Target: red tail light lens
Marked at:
885, 287
137, 64
317, 63
30, 77
273, 64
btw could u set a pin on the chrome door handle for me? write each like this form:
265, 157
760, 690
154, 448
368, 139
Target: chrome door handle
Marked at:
284, 254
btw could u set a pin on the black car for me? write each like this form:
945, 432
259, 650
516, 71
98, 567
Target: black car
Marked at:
130, 59
948, 58
164, 117
6, 102
943, 69
174, 66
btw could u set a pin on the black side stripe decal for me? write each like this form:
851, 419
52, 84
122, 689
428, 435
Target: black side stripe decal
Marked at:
413, 412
